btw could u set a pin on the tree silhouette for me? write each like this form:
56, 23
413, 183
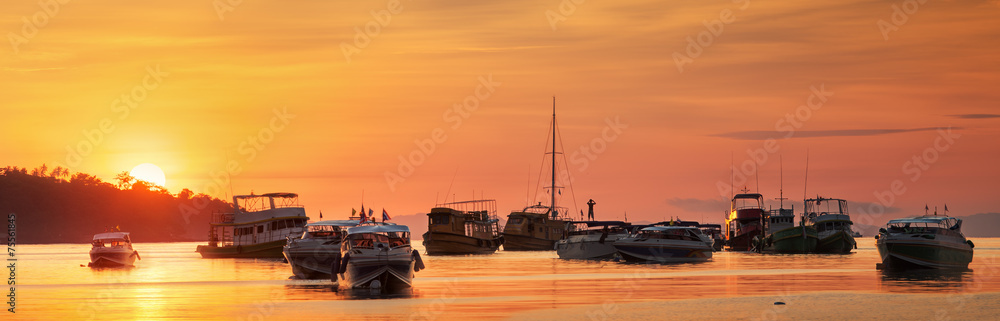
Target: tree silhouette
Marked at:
125, 180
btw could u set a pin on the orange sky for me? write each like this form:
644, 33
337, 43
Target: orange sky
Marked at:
222, 76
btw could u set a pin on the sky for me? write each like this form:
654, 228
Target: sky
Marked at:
405, 104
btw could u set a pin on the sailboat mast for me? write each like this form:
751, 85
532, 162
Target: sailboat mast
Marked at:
552, 190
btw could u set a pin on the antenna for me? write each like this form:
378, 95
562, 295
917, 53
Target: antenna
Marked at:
806, 184
781, 182
732, 173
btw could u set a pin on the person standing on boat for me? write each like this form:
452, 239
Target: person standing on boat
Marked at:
590, 213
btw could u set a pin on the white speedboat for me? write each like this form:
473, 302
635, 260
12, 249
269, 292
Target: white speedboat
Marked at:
591, 240
112, 249
924, 242
379, 256
313, 254
666, 244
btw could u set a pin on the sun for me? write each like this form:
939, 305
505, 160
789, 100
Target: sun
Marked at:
149, 173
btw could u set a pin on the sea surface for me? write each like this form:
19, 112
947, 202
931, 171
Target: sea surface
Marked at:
171, 281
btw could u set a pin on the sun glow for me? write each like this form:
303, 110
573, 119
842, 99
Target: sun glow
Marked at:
149, 173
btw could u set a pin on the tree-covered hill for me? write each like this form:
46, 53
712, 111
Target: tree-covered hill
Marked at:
56, 207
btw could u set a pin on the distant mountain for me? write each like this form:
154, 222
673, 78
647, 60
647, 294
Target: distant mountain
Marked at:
981, 225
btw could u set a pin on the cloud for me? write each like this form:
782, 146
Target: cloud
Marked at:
975, 116
699, 205
765, 134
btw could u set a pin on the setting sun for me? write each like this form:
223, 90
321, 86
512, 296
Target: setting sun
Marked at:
149, 173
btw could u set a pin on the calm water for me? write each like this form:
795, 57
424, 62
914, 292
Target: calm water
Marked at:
173, 282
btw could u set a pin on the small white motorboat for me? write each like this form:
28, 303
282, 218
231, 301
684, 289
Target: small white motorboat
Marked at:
591, 240
112, 249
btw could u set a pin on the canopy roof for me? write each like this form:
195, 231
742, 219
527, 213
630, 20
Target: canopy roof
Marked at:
377, 229
279, 195
667, 228
602, 223
111, 236
335, 223
923, 219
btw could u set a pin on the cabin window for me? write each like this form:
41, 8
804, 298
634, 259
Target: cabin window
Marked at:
439, 220
260, 228
516, 221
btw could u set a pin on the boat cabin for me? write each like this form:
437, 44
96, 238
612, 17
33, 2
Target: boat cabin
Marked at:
928, 225
328, 229
258, 219
112, 239
373, 236
476, 219
685, 233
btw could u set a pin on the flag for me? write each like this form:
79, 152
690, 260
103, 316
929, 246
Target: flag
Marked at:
320, 215
946, 208
371, 214
385, 215
354, 212
362, 209
364, 219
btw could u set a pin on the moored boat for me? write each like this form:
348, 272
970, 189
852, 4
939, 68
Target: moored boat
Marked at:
665, 244
312, 255
715, 232
744, 221
379, 256
924, 242
467, 227
538, 227
112, 249
782, 235
591, 240
830, 218
258, 227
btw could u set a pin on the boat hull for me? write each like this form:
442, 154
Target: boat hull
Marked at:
799, 239
271, 249
673, 252
742, 242
392, 271
439, 243
105, 257
514, 242
312, 262
915, 251
838, 242
587, 248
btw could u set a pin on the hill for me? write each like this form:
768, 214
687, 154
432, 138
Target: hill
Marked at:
49, 208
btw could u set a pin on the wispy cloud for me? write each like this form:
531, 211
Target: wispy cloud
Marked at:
766, 134
975, 116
